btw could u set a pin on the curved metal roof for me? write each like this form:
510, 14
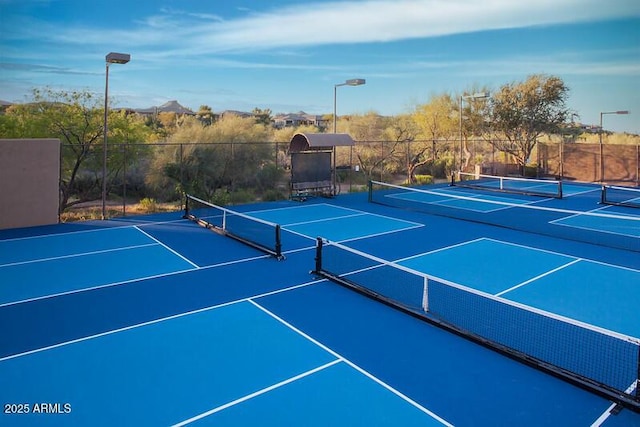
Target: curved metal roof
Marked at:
318, 141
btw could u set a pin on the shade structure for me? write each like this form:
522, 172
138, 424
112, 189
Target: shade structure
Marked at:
319, 141
313, 163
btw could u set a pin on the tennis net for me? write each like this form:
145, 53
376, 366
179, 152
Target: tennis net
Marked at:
602, 361
260, 234
620, 196
508, 184
545, 216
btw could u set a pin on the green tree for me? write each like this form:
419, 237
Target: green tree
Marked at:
437, 123
205, 115
77, 119
376, 155
231, 155
263, 117
127, 153
471, 115
401, 132
522, 112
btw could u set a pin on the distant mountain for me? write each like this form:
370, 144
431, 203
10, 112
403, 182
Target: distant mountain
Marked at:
167, 107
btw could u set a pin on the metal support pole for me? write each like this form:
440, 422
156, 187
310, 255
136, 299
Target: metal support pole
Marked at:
104, 144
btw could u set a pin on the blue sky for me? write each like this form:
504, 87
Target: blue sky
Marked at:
287, 55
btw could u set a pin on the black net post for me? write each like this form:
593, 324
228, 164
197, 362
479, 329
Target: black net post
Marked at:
559, 196
637, 393
370, 191
318, 258
278, 243
186, 206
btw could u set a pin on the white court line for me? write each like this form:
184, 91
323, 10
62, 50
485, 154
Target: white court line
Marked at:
297, 233
468, 242
257, 393
11, 264
571, 194
356, 212
520, 245
594, 228
163, 319
313, 221
304, 207
547, 273
393, 218
382, 233
156, 276
96, 230
553, 253
605, 416
166, 247
472, 290
134, 280
351, 364
609, 411
44, 236
93, 288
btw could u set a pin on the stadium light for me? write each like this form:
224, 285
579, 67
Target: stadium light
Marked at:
350, 82
111, 58
600, 138
479, 95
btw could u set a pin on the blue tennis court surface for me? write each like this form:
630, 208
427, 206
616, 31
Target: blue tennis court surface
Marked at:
158, 321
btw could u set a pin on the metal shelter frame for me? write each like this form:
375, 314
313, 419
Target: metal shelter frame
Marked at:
313, 143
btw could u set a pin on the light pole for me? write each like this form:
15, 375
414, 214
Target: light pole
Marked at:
600, 138
479, 95
350, 82
111, 58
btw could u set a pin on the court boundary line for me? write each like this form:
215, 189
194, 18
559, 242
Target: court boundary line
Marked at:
257, 393
357, 211
81, 254
594, 261
96, 223
503, 202
138, 279
304, 207
444, 202
593, 229
382, 233
540, 276
609, 411
570, 194
157, 276
564, 254
353, 365
162, 319
314, 221
413, 226
442, 249
531, 205
167, 247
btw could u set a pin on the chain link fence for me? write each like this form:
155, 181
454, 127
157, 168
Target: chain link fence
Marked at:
153, 177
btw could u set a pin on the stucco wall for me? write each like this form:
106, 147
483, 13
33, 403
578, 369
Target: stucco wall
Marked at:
29, 182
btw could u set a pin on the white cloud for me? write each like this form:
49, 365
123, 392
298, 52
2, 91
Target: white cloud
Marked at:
182, 33
389, 20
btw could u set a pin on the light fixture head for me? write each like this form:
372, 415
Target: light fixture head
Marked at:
118, 58
355, 82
